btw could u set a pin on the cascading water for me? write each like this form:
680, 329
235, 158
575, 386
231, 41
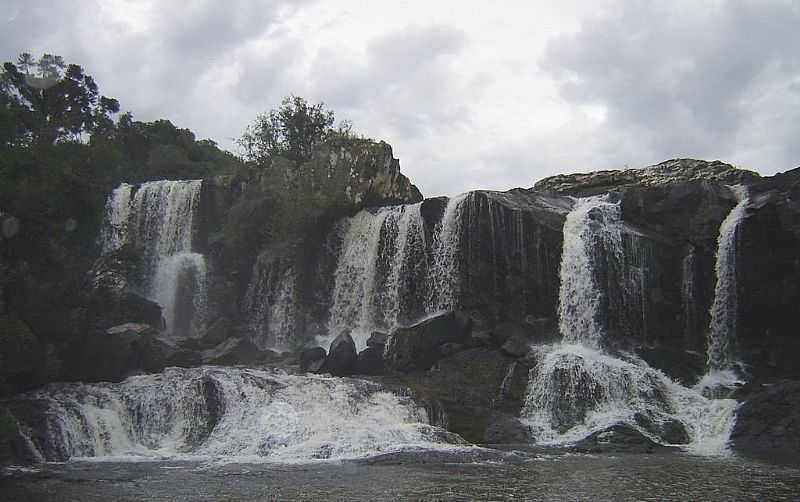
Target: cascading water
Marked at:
592, 226
378, 261
114, 232
227, 413
444, 271
577, 389
721, 374
722, 334
158, 220
270, 305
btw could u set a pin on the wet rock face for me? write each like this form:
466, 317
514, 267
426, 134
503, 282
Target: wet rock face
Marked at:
417, 347
312, 359
768, 424
342, 357
619, 438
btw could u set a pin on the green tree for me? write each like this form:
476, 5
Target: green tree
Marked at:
60, 102
291, 130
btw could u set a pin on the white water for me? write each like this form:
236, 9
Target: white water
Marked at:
722, 335
159, 222
114, 232
380, 253
592, 224
444, 273
270, 305
577, 389
179, 277
232, 414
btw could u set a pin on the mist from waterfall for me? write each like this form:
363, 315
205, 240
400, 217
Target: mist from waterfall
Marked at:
576, 388
157, 219
231, 414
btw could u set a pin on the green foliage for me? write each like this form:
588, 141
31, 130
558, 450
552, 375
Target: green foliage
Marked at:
292, 131
59, 102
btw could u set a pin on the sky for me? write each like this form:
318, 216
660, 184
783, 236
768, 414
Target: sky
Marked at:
489, 95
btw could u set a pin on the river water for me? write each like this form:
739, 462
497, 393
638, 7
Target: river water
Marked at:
418, 476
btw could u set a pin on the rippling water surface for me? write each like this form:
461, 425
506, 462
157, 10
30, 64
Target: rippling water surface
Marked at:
415, 477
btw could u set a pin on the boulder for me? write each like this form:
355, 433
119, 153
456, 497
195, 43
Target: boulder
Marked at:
768, 425
417, 347
233, 351
516, 346
377, 339
117, 353
312, 360
370, 361
502, 332
619, 438
506, 429
448, 349
217, 332
342, 356
670, 431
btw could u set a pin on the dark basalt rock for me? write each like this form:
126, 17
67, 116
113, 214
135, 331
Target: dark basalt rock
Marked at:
312, 360
377, 339
370, 361
516, 346
417, 347
620, 438
506, 429
233, 351
342, 356
219, 331
768, 425
118, 353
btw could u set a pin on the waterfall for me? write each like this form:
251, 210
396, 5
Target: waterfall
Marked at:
377, 264
114, 232
591, 228
445, 272
270, 305
226, 413
158, 220
722, 335
576, 389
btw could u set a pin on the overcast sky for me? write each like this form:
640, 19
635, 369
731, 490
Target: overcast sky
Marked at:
470, 94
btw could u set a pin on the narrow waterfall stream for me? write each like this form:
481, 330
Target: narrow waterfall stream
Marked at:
577, 388
720, 352
157, 219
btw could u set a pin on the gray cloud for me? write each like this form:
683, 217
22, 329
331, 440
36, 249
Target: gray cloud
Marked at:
685, 85
468, 98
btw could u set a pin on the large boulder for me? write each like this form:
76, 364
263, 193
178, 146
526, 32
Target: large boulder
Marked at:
417, 347
507, 429
118, 353
109, 299
620, 438
768, 424
312, 360
370, 361
233, 351
342, 356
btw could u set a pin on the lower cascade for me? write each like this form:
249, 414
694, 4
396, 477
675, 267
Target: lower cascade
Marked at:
222, 412
577, 389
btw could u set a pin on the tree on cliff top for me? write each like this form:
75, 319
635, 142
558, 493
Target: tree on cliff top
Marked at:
291, 131
54, 102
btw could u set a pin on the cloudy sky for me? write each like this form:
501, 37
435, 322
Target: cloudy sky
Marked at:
470, 94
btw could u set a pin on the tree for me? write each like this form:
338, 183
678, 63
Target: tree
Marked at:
291, 130
58, 102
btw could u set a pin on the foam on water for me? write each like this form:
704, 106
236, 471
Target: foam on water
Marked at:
232, 414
